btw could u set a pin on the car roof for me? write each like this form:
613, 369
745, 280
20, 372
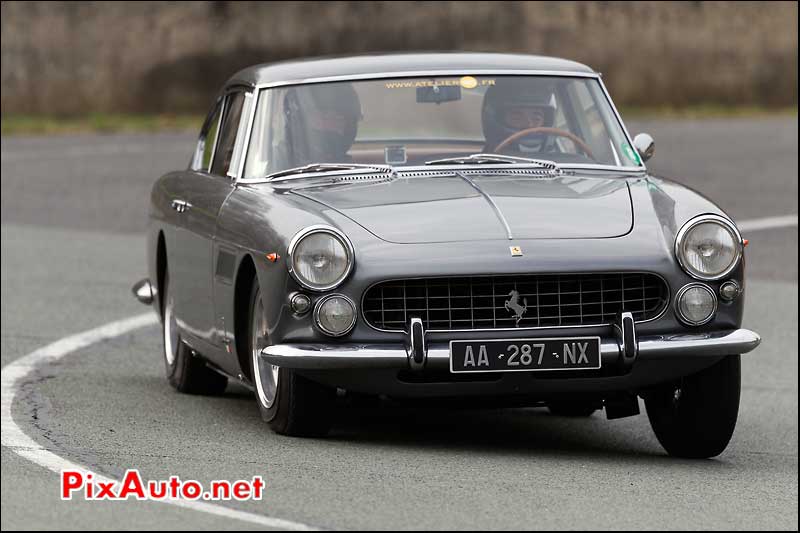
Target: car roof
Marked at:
395, 65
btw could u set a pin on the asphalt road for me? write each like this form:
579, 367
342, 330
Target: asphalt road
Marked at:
72, 215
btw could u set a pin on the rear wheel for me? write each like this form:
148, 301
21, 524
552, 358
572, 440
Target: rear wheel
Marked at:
186, 372
289, 403
695, 417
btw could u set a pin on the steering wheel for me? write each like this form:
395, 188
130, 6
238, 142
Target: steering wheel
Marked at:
550, 131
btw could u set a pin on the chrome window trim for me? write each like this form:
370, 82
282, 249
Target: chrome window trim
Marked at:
717, 219
242, 130
324, 299
222, 105
663, 311
321, 228
676, 304
246, 148
434, 72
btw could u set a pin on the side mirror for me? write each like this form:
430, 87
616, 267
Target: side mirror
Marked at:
645, 145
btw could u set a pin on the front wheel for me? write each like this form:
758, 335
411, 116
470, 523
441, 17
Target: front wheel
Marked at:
288, 402
185, 371
695, 417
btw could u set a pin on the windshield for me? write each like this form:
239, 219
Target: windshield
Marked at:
411, 121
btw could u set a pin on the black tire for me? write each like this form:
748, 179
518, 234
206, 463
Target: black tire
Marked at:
186, 372
298, 407
695, 418
572, 408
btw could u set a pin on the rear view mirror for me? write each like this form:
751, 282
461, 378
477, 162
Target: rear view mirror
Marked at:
437, 94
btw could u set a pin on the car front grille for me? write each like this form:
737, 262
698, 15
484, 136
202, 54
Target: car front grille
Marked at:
524, 301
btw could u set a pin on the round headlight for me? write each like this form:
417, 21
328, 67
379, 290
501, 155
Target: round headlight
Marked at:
708, 247
335, 315
696, 304
729, 291
320, 258
300, 303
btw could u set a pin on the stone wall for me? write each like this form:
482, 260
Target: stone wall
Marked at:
75, 58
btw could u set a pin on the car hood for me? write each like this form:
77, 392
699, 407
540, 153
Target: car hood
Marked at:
450, 208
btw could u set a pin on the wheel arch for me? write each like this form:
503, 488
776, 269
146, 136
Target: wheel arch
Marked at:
245, 275
161, 269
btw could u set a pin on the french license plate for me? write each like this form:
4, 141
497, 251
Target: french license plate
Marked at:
562, 353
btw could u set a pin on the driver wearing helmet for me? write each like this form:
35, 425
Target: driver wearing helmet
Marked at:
513, 106
325, 119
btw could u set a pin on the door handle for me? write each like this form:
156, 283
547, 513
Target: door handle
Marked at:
180, 205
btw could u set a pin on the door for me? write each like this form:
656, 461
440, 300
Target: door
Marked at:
207, 185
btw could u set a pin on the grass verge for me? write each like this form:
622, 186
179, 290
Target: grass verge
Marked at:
99, 123
151, 123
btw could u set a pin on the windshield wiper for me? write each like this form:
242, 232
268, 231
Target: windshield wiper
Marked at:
298, 172
494, 159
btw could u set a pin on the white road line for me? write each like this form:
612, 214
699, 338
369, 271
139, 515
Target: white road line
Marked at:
16, 372
756, 224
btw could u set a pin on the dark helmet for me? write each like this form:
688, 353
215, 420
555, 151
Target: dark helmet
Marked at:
317, 100
513, 93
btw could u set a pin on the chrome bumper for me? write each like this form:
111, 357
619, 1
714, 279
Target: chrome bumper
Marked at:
612, 351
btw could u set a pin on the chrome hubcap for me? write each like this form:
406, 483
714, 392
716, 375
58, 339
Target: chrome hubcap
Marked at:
170, 332
266, 375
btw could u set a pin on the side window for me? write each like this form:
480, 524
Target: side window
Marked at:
227, 134
211, 136
205, 144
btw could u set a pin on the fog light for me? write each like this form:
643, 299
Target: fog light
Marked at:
300, 303
335, 315
729, 291
696, 304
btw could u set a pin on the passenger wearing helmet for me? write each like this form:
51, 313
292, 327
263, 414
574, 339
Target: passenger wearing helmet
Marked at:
323, 122
513, 106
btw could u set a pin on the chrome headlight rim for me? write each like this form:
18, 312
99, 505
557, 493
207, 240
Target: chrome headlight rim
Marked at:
677, 304
335, 233
318, 306
702, 219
